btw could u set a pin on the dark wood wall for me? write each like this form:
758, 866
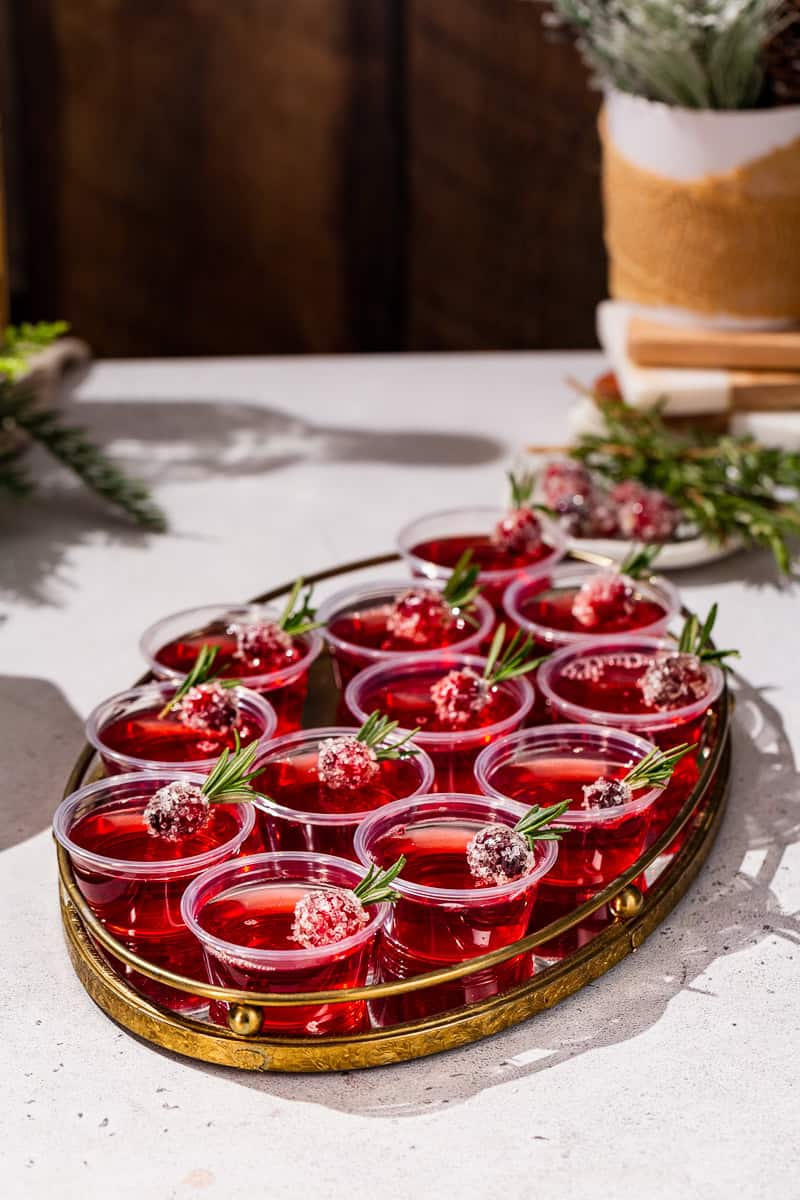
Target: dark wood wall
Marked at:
327, 175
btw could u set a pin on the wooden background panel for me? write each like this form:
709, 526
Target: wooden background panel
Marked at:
503, 177
203, 177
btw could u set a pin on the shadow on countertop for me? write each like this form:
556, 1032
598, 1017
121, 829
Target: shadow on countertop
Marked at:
730, 907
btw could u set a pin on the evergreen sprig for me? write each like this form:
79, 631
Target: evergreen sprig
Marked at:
377, 729
696, 639
537, 824
655, 769
460, 590
375, 887
728, 487
230, 780
298, 614
515, 661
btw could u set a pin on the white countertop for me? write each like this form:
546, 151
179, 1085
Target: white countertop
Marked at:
675, 1075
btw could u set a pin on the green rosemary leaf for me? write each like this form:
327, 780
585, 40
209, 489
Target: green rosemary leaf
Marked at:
375, 887
460, 589
200, 673
375, 733
537, 824
656, 768
230, 780
298, 615
639, 560
521, 488
515, 661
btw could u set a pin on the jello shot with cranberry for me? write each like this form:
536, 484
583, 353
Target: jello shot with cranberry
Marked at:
155, 727
611, 782
382, 621
266, 649
316, 786
457, 702
291, 922
504, 542
573, 601
473, 866
137, 841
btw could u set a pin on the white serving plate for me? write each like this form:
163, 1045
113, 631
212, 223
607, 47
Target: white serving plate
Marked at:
674, 556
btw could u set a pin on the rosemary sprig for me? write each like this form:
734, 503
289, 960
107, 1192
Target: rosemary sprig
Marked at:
728, 487
515, 661
230, 780
696, 639
656, 768
298, 615
375, 887
521, 487
639, 560
537, 824
201, 672
460, 590
374, 733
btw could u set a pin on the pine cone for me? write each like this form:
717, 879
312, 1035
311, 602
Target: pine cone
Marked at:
782, 56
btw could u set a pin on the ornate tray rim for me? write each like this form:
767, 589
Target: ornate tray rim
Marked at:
636, 916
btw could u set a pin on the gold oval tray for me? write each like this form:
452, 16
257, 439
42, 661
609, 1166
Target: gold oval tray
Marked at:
636, 915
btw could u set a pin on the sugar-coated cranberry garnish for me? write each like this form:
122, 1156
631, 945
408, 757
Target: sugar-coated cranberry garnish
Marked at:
603, 597
565, 480
210, 706
322, 918
497, 854
645, 513
262, 643
458, 696
176, 811
346, 762
606, 793
518, 531
673, 680
419, 616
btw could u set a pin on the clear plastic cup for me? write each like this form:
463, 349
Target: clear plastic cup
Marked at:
192, 627
349, 656
433, 926
568, 577
138, 899
247, 894
459, 528
287, 777
143, 704
453, 752
552, 763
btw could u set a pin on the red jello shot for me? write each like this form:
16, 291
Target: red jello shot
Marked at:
599, 683
401, 690
171, 647
550, 764
133, 882
131, 731
243, 916
361, 629
444, 914
433, 544
542, 603
298, 811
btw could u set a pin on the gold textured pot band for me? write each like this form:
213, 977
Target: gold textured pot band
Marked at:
726, 243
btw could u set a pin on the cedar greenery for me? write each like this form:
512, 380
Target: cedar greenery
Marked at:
22, 419
726, 487
692, 53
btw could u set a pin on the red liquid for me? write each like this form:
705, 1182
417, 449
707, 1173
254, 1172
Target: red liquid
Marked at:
409, 702
166, 739
552, 609
446, 552
261, 918
423, 935
145, 914
369, 629
287, 698
293, 783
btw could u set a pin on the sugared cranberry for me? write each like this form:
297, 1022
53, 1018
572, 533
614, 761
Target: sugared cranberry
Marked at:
324, 917
565, 480
176, 811
208, 707
673, 680
262, 643
604, 597
645, 514
419, 616
592, 515
346, 763
497, 854
459, 696
518, 532
606, 793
